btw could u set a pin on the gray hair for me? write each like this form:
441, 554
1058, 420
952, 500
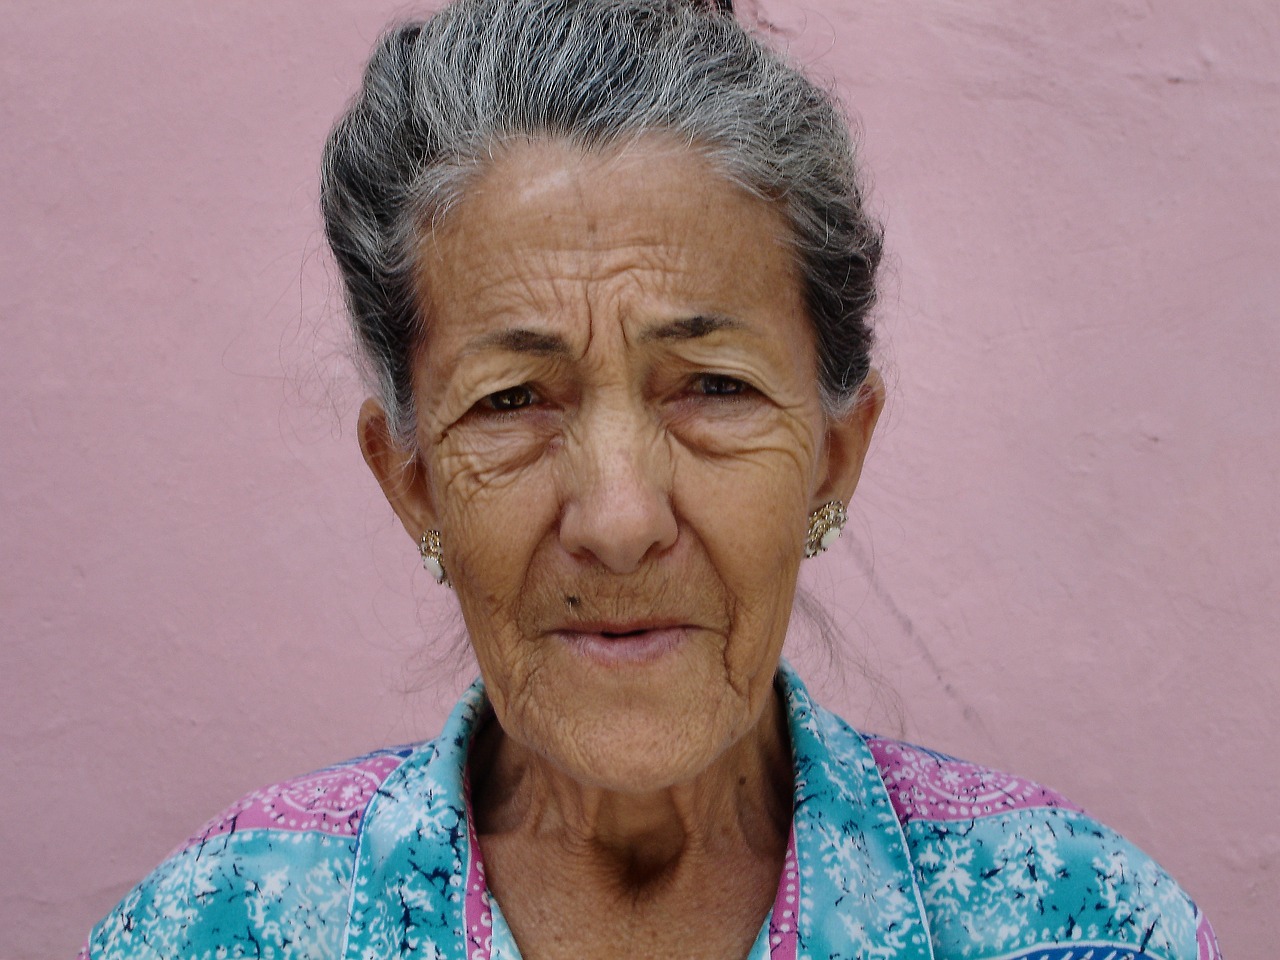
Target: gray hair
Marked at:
439, 96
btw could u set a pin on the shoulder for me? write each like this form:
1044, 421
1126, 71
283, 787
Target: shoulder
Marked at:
331, 801
924, 784
271, 872
1007, 867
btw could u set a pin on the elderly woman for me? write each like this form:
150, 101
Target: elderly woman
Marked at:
610, 272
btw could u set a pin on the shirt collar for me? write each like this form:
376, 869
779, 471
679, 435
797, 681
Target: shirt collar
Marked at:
859, 896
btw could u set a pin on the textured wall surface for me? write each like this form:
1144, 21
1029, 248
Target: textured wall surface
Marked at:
1064, 558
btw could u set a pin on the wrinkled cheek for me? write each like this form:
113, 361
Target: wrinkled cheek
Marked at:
463, 473
493, 520
747, 510
489, 540
749, 514
477, 498
505, 649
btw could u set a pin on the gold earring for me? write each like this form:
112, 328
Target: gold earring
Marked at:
433, 556
825, 525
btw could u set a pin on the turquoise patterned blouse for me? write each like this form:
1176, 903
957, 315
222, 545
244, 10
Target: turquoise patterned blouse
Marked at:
896, 852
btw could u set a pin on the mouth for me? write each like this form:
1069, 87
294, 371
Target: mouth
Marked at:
619, 644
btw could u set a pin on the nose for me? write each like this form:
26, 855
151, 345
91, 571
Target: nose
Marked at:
617, 492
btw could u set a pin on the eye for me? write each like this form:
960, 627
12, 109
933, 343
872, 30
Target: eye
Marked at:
513, 398
719, 385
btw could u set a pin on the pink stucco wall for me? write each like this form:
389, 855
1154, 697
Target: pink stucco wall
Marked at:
1064, 559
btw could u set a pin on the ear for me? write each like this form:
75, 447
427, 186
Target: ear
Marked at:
398, 470
846, 443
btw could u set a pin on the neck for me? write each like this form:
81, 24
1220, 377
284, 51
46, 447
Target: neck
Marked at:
740, 804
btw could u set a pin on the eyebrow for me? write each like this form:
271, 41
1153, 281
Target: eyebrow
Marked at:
521, 340
691, 328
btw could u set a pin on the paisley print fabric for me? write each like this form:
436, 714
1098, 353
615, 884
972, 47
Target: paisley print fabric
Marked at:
895, 853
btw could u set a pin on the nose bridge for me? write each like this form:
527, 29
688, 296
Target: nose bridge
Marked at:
617, 488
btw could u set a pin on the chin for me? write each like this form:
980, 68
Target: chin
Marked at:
642, 764
632, 724
637, 745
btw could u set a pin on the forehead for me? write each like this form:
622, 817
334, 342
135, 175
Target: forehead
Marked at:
550, 232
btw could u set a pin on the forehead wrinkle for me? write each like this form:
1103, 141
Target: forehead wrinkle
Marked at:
569, 280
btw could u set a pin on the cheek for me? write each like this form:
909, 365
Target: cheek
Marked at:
753, 472
733, 507
477, 453
494, 511
496, 524
749, 513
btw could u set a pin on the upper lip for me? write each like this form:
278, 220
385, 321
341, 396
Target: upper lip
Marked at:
621, 626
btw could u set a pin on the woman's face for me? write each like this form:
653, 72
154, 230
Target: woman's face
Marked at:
621, 439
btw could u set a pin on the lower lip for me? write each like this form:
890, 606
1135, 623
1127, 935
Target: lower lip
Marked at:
633, 649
